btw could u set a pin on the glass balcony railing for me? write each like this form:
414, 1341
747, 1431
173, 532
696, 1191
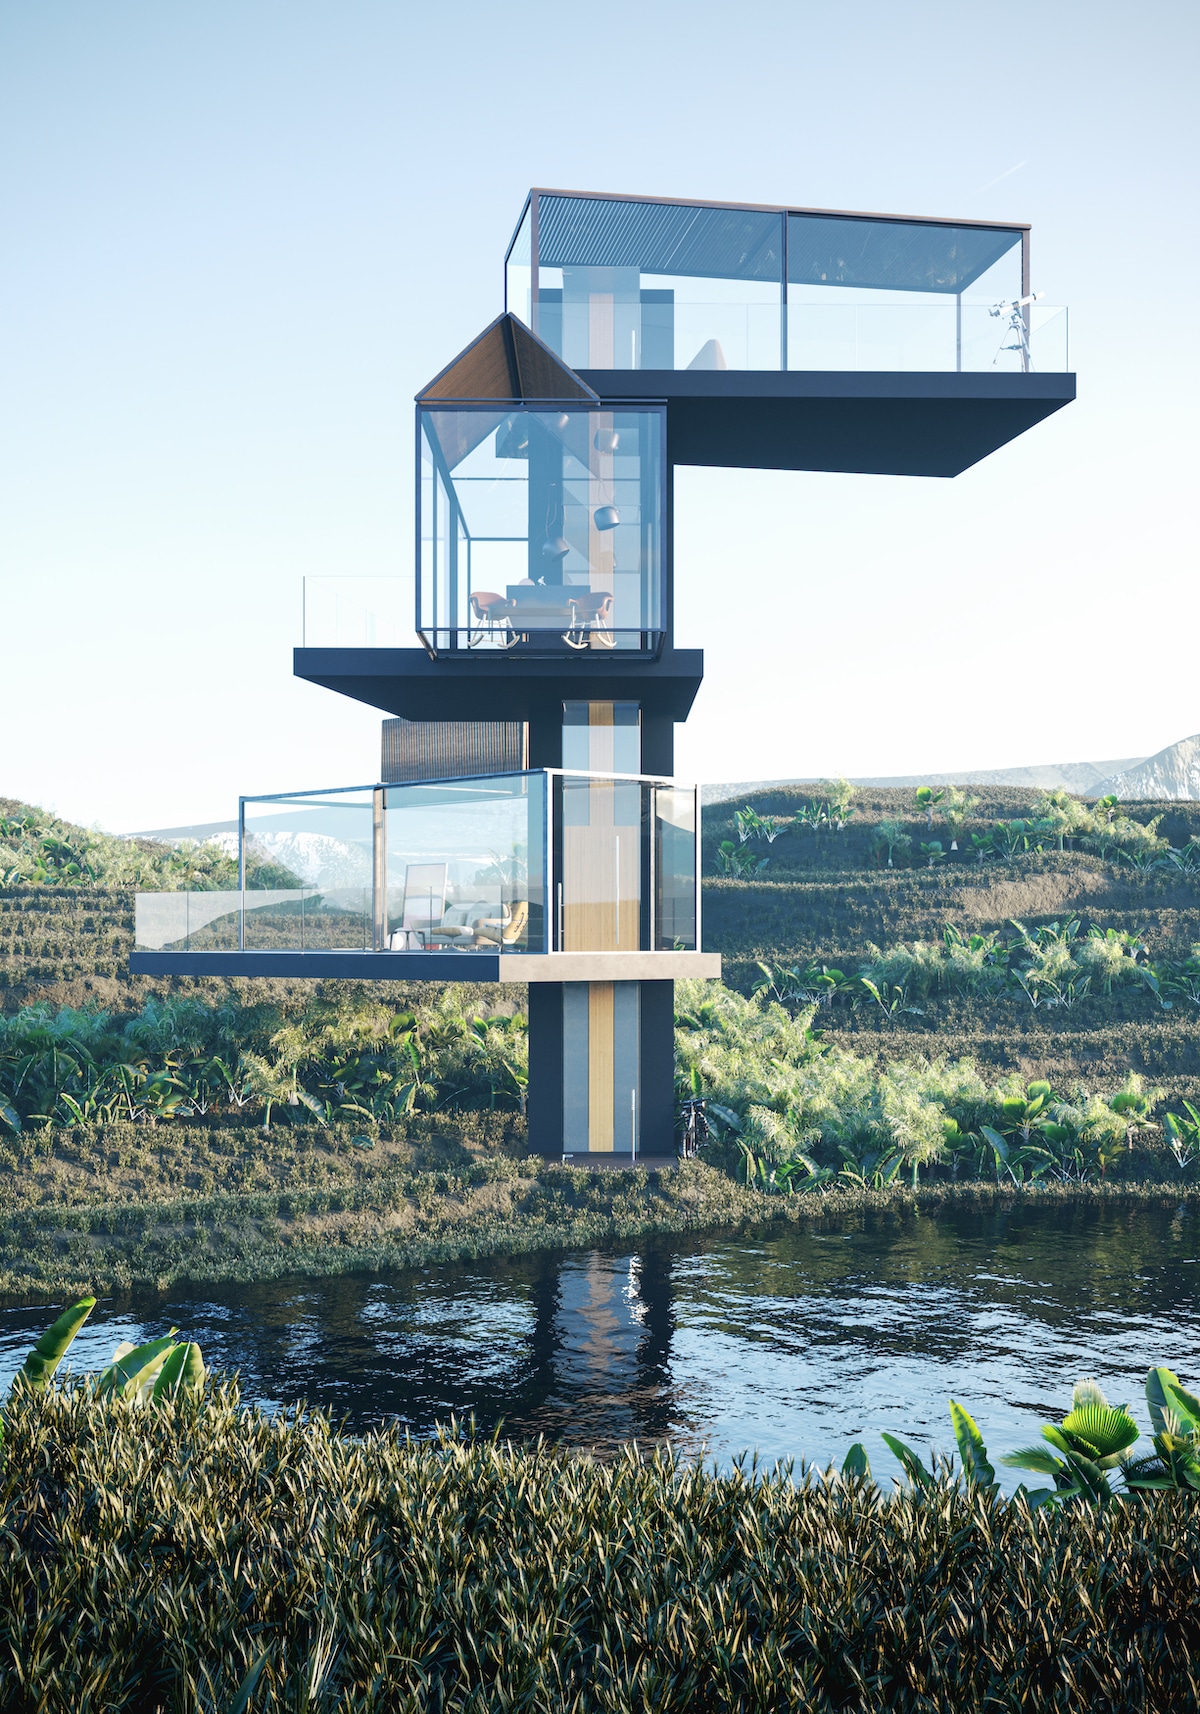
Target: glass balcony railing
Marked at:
640, 283
532, 862
357, 613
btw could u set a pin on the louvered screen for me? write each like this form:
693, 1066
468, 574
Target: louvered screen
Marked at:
451, 749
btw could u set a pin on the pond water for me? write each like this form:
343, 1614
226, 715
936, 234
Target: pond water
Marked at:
788, 1345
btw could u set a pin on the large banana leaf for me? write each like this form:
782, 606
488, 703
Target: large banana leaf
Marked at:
1187, 1404
1088, 1480
1034, 1458
129, 1374
1160, 1402
913, 1467
856, 1462
182, 1372
971, 1449
51, 1348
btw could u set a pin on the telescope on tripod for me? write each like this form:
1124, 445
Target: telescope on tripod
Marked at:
1018, 326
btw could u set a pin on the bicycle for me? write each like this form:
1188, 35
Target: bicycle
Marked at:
695, 1128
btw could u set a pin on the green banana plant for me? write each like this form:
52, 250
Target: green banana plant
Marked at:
51, 1348
1175, 1416
1183, 1136
802, 1173
157, 1372
971, 1450
927, 800
134, 1369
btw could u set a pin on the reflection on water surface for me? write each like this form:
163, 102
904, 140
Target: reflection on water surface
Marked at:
792, 1345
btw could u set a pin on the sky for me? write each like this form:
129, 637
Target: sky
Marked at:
239, 235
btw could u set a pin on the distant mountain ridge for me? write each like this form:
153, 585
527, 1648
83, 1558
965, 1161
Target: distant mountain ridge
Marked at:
1172, 773
1176, 772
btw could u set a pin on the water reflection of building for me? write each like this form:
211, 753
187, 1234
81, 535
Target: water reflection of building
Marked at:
609, 1347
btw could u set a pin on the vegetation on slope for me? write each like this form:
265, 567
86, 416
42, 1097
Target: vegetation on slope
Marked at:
185, 1128
828, 902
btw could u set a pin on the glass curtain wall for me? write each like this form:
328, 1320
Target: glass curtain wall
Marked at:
309, 869
541, 531
602, 737
466, 865
641, 285
619, 284
536, 862
883, 294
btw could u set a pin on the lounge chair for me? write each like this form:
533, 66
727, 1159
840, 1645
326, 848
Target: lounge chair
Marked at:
506, 929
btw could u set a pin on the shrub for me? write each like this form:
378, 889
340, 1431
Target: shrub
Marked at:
209, 1556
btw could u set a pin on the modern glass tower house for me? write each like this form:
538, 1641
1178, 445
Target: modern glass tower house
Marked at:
527, 827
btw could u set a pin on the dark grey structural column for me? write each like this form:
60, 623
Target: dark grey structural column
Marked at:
545, 1104
657, 1126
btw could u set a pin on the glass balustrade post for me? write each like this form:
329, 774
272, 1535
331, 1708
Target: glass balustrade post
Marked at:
958, 331
241, 915
378, 871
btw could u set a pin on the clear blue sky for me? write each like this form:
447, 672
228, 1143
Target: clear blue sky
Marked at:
238, 237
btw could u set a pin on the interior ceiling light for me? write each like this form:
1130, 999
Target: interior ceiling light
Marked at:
606, 517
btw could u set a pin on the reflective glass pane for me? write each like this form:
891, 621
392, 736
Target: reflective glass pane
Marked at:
541, 530
186, 922
900, 295
309, 867
465, 865
357, 613
675, 868
640, 285
602, 737
600, 903
517, 271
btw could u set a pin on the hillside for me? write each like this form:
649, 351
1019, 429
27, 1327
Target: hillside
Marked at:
1088, 779
827, 898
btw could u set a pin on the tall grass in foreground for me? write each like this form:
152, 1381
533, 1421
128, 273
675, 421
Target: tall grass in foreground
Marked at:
203, 1556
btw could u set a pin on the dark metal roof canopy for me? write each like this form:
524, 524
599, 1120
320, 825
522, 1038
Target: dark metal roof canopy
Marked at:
901, 256
738, 241
510, 365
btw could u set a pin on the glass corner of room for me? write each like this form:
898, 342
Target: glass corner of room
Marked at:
541, 530
308, 870
676, 831
867, 293
631, 284
465, 865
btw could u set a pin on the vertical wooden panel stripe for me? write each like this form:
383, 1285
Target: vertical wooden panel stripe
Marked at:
600, 1067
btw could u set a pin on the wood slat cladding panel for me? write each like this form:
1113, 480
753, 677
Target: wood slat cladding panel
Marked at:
601, 872
601, 1067
415, 750
602, 849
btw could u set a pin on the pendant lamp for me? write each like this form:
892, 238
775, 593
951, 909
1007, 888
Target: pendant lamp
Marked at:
556, 547
606, 517
606, 440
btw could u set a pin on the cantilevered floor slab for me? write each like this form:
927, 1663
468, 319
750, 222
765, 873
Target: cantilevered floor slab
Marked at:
496, 685
436, 966
871, 424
